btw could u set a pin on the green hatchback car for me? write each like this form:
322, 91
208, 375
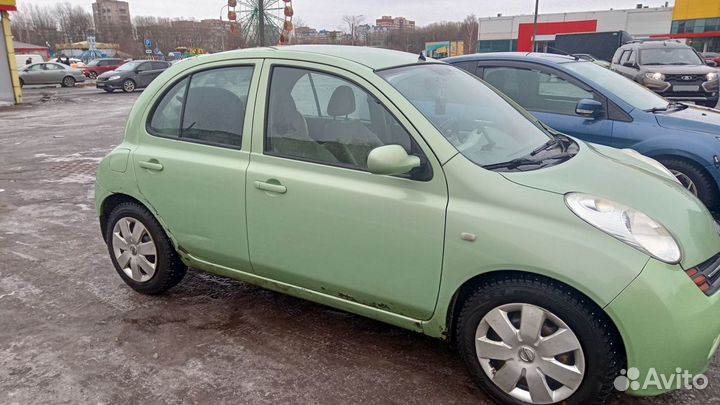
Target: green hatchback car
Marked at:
408, 191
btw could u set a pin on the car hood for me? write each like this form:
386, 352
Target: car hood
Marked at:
679, 69
693, 118
110, 73
612, 174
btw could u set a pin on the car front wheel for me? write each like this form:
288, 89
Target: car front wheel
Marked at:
128, 86
527, 340
93, 75
695, 180
141, 252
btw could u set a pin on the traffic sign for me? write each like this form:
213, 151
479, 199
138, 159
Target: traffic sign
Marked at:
148, 51
148, 44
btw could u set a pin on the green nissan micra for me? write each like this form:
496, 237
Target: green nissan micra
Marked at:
405, 190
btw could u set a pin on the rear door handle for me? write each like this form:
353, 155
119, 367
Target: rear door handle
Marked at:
271, 187
153, 165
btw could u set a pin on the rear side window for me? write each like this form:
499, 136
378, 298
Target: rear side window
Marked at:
207, 107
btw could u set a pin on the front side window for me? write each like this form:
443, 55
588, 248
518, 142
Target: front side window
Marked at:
479, 122
670, 56
207, 107
536, 90
323, 118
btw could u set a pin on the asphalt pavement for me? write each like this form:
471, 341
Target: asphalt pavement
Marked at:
72, 332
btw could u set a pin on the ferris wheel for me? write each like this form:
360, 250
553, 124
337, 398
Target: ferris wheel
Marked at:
263, 22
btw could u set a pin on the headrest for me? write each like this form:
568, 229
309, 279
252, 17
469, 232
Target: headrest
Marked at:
342, 102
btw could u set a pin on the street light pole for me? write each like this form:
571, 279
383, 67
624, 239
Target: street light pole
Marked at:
535, 25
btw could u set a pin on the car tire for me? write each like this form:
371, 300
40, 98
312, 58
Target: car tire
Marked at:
68, 81
598, 361
93, 75
129, 86
22, 83
150, 264
696, 180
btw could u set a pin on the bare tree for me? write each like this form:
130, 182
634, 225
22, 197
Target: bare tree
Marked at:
469, 29
353, 22
74, 22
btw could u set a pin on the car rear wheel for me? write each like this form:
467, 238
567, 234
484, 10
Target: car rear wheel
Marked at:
527, 340
128, 86
68, 81
141, 252
695, 180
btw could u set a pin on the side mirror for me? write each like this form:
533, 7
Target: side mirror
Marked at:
589, 108
712, 63
391, 160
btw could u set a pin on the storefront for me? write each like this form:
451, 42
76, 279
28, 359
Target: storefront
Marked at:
514, 33
697, 21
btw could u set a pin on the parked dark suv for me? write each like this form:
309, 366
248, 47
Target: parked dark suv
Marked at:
133, 75
669, 68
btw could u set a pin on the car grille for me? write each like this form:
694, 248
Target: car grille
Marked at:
707, 275
681, 79
102, 79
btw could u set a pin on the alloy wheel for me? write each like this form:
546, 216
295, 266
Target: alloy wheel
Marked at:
134, 249
68, 82
93, 75
530, 353
129, 86
686, 181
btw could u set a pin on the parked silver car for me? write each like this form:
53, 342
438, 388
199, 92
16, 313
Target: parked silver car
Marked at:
50, 73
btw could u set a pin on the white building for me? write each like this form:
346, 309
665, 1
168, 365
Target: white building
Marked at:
501, 34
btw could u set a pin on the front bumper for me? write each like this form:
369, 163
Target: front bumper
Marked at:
704, 91
667, 324
109, 84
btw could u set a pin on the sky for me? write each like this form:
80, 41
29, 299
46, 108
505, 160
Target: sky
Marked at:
328, 13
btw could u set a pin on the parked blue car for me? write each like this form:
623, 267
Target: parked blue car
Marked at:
584, 100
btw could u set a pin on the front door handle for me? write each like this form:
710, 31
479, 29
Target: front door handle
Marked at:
153, 165
271, 187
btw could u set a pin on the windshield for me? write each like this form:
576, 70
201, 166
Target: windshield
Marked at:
128, 66
627, 90
481, 124
670, 56
94, 62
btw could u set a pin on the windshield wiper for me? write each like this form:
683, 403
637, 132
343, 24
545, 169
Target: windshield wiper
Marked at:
516, 163
547, 146
658, 109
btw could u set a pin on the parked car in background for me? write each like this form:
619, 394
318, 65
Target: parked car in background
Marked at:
672, 69
597, 105
50, 73
712, 57
424, 199
99, 66
132, 75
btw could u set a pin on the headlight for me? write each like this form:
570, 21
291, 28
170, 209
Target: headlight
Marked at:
655, 76
652, 162
627, 225
116, 77
712, 76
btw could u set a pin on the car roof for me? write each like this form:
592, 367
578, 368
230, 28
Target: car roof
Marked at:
373, 58
655, 44
550, 58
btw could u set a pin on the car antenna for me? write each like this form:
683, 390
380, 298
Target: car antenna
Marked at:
423, 56
564, 52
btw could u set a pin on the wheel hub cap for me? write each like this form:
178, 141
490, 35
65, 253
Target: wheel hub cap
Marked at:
530, 353
526, 354
134, 249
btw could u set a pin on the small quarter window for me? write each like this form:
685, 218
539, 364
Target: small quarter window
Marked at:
166, 120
